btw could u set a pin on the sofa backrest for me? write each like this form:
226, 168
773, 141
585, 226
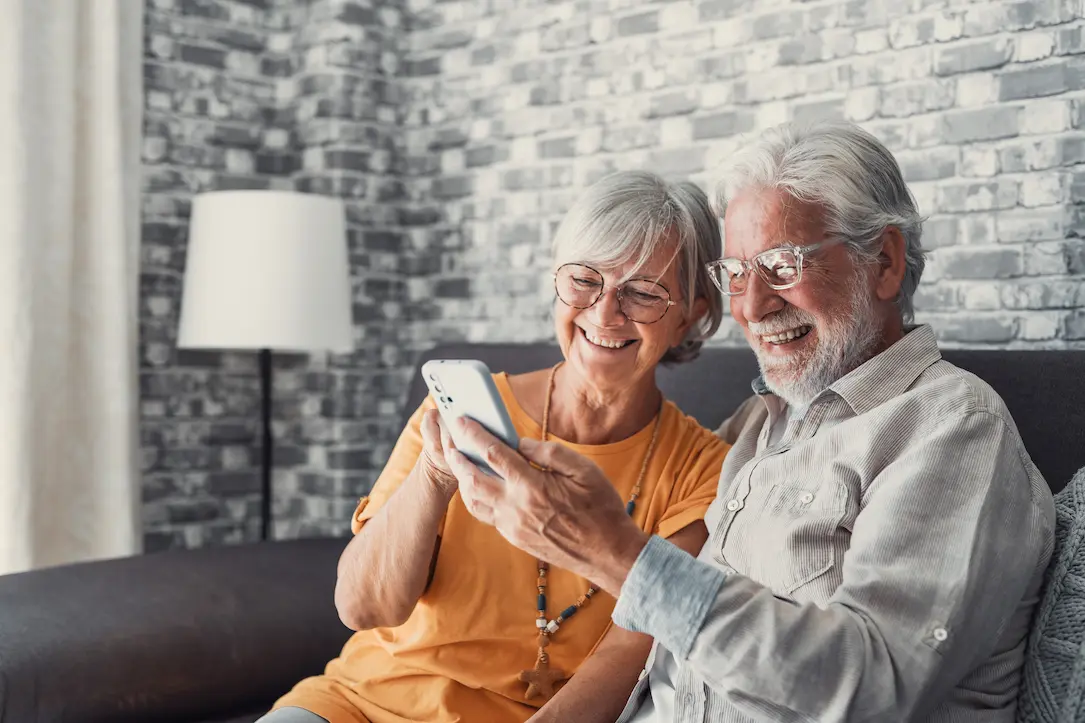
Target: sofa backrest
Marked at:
1044, 390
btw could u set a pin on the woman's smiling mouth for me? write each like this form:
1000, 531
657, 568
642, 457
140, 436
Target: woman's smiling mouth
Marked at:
606, 343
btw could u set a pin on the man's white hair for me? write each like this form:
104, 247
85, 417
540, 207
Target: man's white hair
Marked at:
849, 174
631, 215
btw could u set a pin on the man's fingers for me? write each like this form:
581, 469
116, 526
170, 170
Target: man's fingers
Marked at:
473, 481
552, 456
501, 458
480, 511
480, 492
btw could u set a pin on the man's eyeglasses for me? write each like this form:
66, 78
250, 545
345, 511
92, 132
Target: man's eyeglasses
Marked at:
780, 268
641, 300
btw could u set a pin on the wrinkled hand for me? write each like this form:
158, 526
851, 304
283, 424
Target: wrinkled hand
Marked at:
566, 513
435, 439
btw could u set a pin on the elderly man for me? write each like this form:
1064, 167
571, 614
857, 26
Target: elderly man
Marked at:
880, 534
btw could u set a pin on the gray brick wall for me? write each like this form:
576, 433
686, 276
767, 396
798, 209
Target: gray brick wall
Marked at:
983, 102
270, 94
459, 132
338, 421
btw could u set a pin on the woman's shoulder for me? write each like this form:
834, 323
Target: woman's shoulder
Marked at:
529, 389
524, 396
688, 433
527, 382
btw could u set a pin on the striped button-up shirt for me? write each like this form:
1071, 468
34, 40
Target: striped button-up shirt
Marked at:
877, 561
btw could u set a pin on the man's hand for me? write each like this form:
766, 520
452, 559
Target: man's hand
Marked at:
552, 503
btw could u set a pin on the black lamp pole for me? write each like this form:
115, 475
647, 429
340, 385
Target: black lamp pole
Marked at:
265, 450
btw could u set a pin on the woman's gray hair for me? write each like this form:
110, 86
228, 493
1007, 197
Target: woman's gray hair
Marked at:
631, 215
849, 174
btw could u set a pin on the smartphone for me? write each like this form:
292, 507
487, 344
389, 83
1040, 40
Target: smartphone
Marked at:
465, 388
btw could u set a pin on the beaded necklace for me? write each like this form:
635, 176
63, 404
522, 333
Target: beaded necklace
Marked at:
541, 679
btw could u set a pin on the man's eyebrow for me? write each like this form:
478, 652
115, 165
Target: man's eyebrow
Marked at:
786, 243
783, 245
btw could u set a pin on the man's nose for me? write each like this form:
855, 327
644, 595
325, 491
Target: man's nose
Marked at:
759, 300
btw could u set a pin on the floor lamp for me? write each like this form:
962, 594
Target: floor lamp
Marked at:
266, 271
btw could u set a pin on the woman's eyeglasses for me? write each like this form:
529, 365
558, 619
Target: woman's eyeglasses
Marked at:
642, 301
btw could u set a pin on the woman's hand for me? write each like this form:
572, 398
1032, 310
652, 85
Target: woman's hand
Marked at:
552, 503
385, 568
435, 440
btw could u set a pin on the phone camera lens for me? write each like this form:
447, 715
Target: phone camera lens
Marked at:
437, 388
450, 400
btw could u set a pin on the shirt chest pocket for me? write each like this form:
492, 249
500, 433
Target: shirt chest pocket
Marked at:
799, 533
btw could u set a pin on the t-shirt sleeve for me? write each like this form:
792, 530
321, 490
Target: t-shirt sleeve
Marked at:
400, 463
695, 488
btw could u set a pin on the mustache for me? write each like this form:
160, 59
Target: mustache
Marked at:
781, 321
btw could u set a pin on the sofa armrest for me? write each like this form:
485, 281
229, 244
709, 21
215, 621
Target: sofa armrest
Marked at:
176, 635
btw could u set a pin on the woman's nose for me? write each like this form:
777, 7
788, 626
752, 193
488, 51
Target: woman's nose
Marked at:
608, 310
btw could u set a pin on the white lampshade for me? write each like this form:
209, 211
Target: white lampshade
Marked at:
266, 270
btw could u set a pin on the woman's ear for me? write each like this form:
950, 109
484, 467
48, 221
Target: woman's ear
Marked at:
700, 308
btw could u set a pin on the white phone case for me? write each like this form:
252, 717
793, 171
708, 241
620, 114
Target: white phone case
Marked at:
465, 388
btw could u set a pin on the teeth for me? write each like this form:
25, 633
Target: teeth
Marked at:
604, 343
786, 336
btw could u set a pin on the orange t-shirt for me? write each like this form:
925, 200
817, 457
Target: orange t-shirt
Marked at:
458, 656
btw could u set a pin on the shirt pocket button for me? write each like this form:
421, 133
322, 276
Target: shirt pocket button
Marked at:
807, 498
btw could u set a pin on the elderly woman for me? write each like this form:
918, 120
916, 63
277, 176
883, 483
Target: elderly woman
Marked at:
456, 624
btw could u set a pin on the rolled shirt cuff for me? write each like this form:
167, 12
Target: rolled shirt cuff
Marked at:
667, 595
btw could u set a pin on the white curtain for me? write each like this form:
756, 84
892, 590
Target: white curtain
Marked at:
70, 124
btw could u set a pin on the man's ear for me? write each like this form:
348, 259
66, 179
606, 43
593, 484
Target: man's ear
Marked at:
891, 265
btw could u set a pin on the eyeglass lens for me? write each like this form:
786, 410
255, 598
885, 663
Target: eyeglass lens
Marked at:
779, 268
641, 300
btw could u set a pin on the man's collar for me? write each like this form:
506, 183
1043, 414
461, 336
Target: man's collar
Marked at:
891, 372
886, 375
759, 387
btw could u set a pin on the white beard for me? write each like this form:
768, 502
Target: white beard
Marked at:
842, 346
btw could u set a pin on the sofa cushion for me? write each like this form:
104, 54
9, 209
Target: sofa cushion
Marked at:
1054, 681
184, 635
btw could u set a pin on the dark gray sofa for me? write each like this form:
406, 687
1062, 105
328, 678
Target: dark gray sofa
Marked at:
216, 635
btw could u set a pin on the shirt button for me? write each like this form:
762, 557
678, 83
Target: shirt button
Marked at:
733, 505
806, 498
642, 674
941, 635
